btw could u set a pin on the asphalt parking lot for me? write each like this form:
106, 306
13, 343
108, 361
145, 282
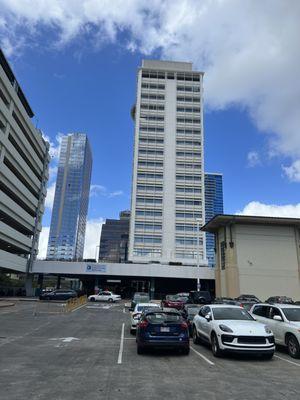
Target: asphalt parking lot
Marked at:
90, 354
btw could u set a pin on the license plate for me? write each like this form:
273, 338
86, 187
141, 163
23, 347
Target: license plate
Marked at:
164, 329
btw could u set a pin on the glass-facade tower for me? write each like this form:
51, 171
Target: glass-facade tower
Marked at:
213, 206
70, 207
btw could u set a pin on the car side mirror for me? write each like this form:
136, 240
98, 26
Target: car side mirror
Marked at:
277, 318
208, 317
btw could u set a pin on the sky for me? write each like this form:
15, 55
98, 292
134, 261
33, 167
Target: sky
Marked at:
77, 60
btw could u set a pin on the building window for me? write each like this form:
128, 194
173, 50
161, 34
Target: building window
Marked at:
147, 239
223, 256
157, 86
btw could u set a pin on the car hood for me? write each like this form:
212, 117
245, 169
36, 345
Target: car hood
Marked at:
246, 328
295, 324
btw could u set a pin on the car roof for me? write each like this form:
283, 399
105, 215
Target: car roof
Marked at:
223, 306
279, 305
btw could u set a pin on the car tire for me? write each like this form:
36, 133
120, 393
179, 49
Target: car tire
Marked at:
140, 349
293, 346
92, 299
132, 331
110, 300
186, 351
196, 339
217, 352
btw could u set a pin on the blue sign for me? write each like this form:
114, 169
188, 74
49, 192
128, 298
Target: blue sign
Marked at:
96, 268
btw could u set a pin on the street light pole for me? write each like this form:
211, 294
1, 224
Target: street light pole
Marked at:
96, 252
198, 255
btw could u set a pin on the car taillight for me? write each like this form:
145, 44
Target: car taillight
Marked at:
183, 325
143, 324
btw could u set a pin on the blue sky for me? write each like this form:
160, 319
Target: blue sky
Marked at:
78, 70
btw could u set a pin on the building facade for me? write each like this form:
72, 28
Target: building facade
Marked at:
256, 255
24, 163
114, 239
70, 207
213, 206
167, 199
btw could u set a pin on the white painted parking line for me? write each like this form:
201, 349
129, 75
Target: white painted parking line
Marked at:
124, 311
202, 356
288, 361
121, 344
75, 309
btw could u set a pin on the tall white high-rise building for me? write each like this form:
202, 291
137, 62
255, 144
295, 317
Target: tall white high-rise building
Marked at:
167, 204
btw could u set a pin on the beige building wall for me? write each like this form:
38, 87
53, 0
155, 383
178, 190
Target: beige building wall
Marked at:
267, 260
262, 260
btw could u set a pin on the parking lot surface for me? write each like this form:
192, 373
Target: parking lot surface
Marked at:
90, 354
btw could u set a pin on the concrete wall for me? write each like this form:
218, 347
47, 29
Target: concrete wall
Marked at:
267, 260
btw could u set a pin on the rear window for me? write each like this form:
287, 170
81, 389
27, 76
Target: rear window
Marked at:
158, 318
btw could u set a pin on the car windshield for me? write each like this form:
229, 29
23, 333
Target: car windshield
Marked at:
158, 318
142, 299
231, 313
292, 314
193, 310
142, 308
172, 297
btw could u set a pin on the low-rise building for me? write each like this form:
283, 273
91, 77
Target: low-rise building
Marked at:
256, 255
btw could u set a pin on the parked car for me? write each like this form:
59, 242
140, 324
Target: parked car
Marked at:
189, 312
284, 320
105, 296
137, 312
163, 328
200, 297
173, 301
58, 294
248, 298
232, 329
226, 300
139, 297
279, 300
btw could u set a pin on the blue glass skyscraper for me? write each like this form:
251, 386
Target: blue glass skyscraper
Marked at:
213, 206
68, 222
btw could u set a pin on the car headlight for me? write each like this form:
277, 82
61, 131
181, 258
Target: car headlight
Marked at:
225, 328
268, 330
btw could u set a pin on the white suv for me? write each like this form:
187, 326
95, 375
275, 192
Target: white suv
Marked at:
284, 320
232, 329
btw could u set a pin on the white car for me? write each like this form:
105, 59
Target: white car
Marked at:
232, 329
284, 320
137, 312
105, 296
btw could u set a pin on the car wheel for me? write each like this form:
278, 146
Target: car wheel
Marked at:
293, 346
92, 299
217, 352
186, 351
110, 300
140, 349
132, 331
196, 339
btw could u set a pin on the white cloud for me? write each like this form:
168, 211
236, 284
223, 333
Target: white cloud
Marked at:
54, 146
253, 159
50, 196
92, 237
43, 242
293, 171
248, 49
271, 210
99, 190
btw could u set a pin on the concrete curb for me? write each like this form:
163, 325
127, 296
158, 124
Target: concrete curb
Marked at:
6, 304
